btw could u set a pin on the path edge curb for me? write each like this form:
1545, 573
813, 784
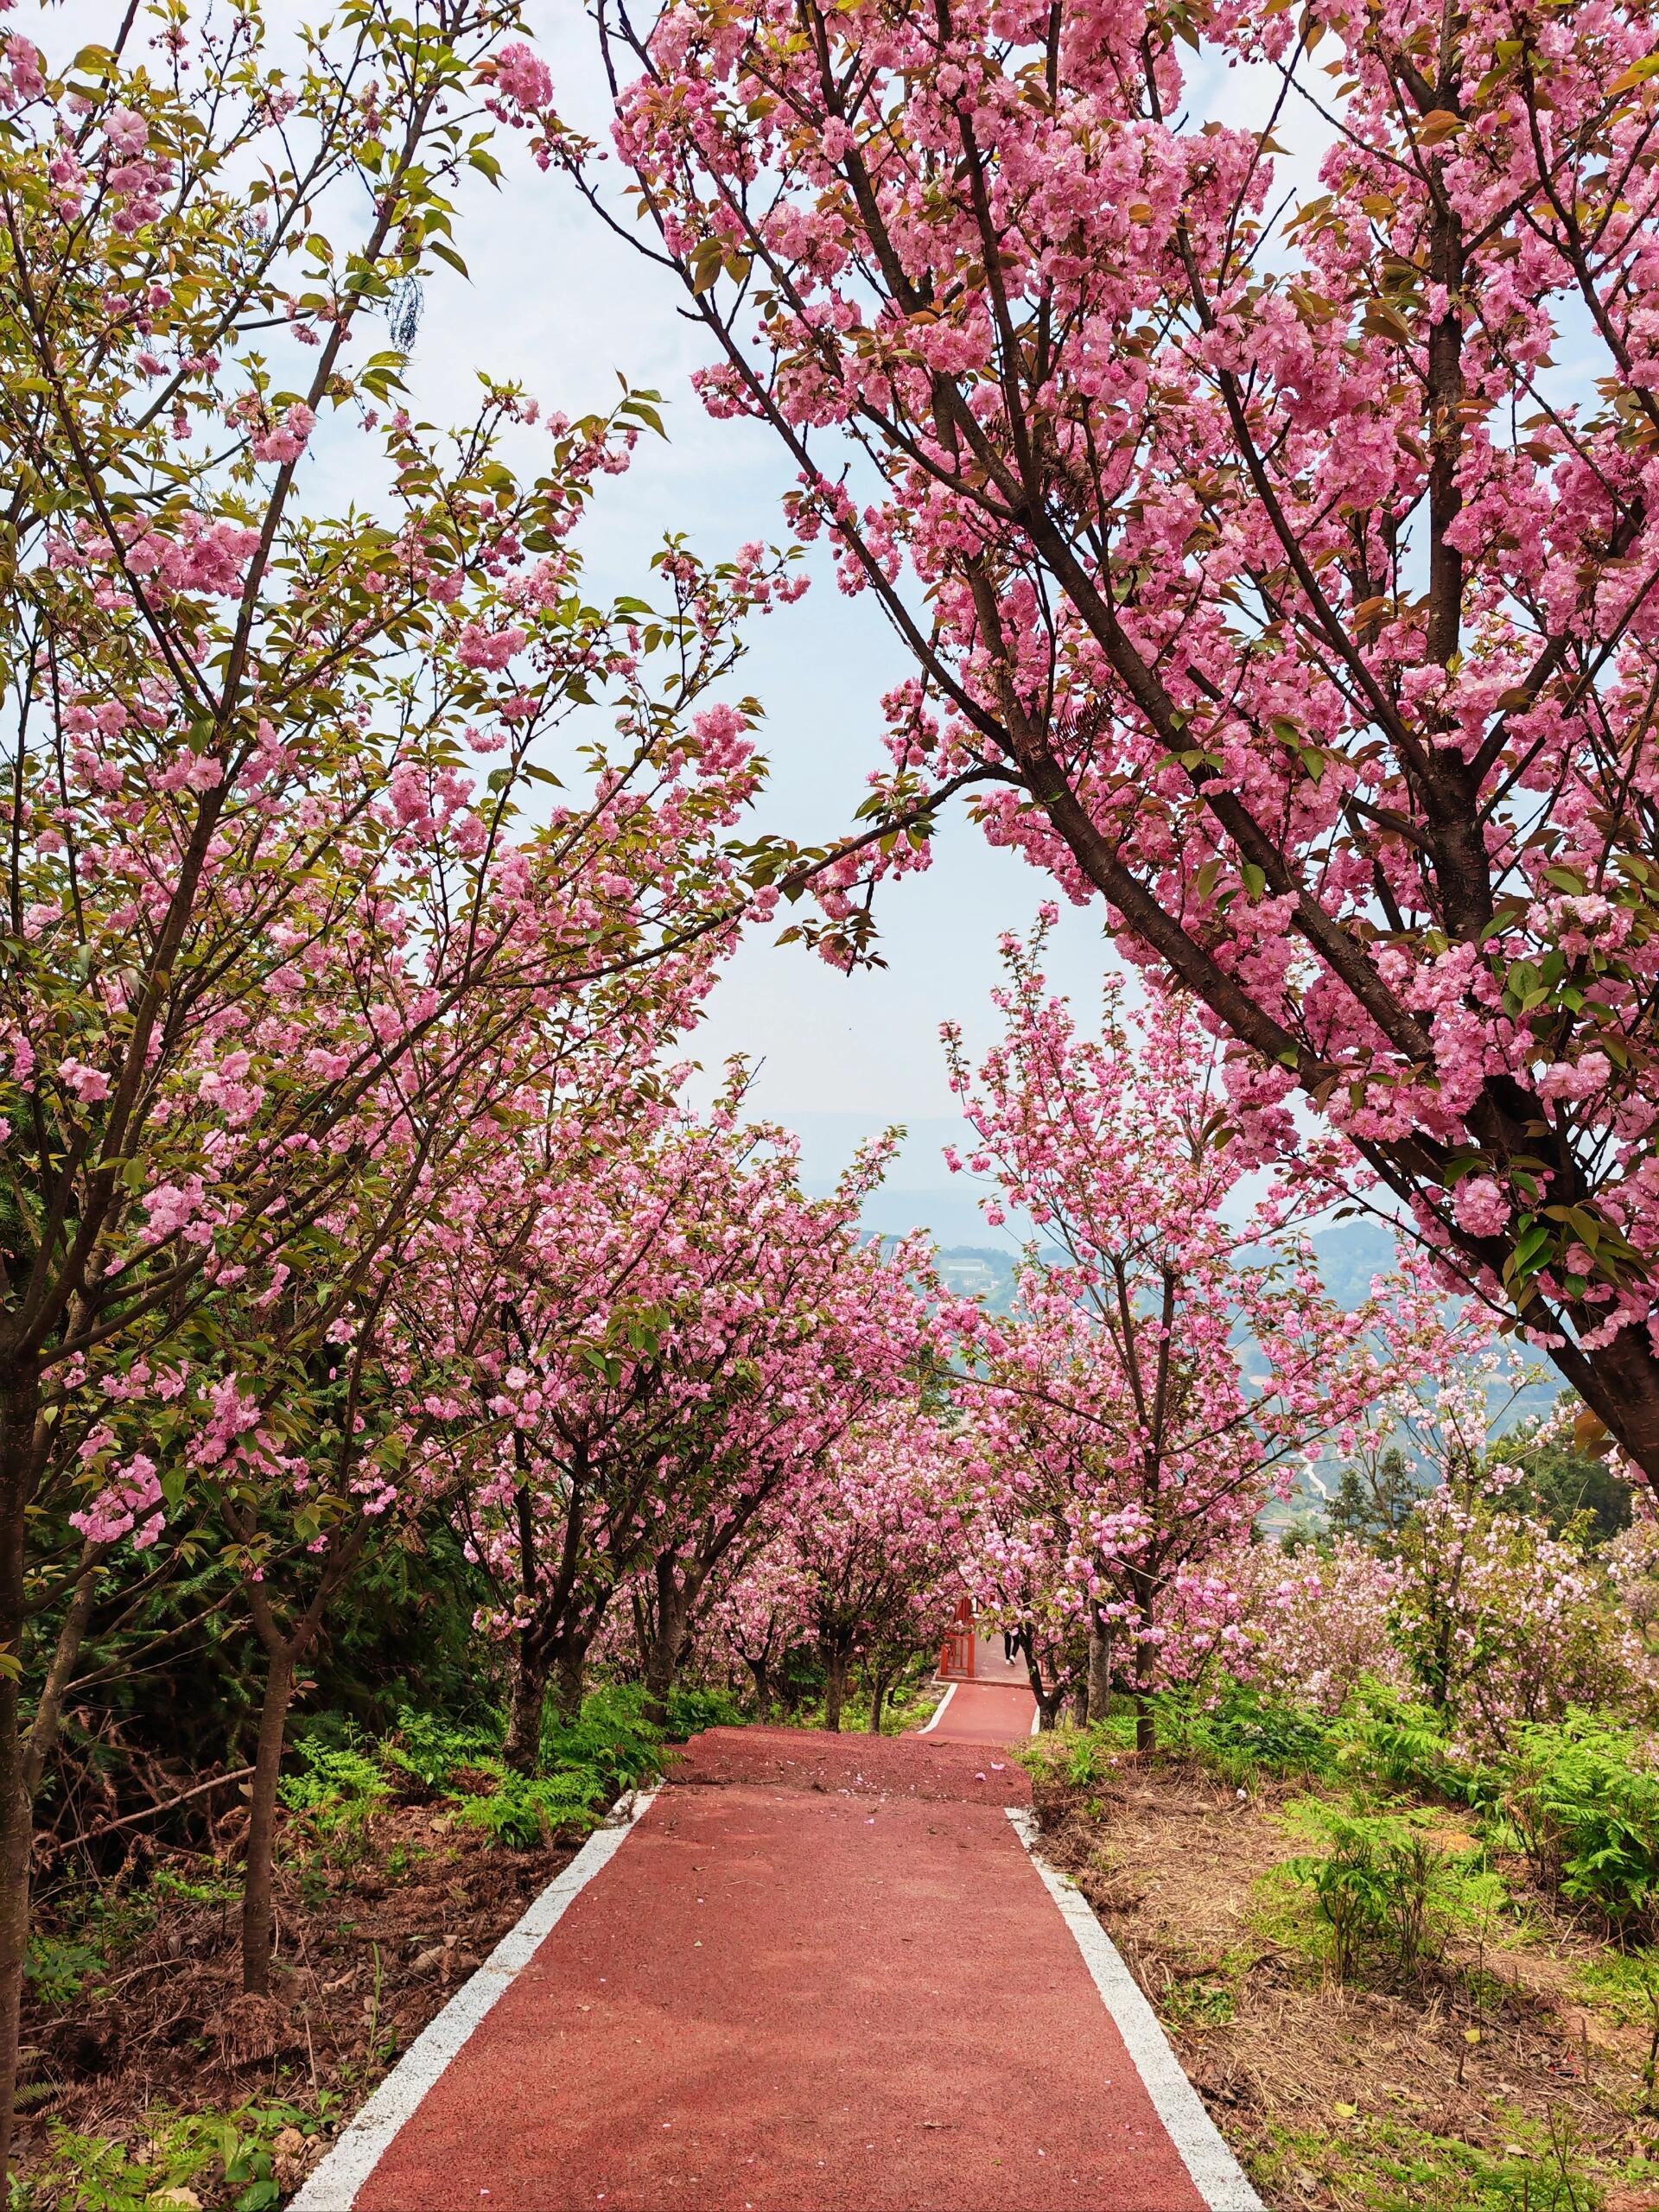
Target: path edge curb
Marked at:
1217, 2174
367, 2136
938, 1714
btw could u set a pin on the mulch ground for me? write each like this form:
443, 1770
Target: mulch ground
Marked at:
376, 1928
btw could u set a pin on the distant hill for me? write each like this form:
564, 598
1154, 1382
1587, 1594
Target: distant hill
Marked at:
974, 1271
952, 1218
1349, 1254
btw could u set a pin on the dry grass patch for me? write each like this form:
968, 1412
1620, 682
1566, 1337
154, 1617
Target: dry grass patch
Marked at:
1499, 2075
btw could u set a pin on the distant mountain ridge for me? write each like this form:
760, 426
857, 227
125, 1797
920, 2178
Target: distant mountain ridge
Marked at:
973, 1271
1349, 1253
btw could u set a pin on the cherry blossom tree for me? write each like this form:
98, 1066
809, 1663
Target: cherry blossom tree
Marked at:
1157, 1379
876, 1537
1499, 1621
762, 1616
1320, 1624
674, 1335
315, 1399
849, 1334
274, 898
1264, 579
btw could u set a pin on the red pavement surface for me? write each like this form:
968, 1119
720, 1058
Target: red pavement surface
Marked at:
982, 1713
829, 1985
805, 1758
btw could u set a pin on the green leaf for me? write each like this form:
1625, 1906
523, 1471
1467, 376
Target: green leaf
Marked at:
1380, 320
1637, 73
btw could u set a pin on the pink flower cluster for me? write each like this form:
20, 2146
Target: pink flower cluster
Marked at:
128, 1504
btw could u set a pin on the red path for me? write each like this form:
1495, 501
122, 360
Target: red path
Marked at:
819, 1974
978, 1713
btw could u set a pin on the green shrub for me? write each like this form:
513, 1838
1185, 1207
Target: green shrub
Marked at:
338, 1785
1239, 1733
1584, 1804
1246, 1733
431, 1748
524, 1810
1088, 1759
1387, 1741
1384, 1888
611, 1739
60, 1968
210, 1888
690, 1710
224, 2158
586, 1763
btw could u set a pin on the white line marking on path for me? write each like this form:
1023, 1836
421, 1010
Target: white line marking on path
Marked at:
333, 2187
1217, 2175
938, 1714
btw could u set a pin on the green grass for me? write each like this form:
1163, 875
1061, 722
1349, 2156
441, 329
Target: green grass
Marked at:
1206, 2002
1386, 2165
221, 2159
1623, 1983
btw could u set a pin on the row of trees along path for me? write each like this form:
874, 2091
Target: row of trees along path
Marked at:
1260, 586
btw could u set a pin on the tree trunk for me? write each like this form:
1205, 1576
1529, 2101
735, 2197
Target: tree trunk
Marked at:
526, 1700
16, 1839
1048, 1701
1100, 1672
569, 1681
1621, 1383
834, 1691
877, 1699
1080, 1702
22, 1762
256, 1914
762, 1675
19, 1423
663, 1658
1145, 1665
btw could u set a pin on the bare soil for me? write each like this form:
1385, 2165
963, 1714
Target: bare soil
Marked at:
1489, 2043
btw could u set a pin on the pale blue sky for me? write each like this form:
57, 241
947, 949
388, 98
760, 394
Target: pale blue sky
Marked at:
557, 301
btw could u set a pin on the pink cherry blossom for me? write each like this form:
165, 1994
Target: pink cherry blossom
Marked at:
90, 1084
1267, 579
